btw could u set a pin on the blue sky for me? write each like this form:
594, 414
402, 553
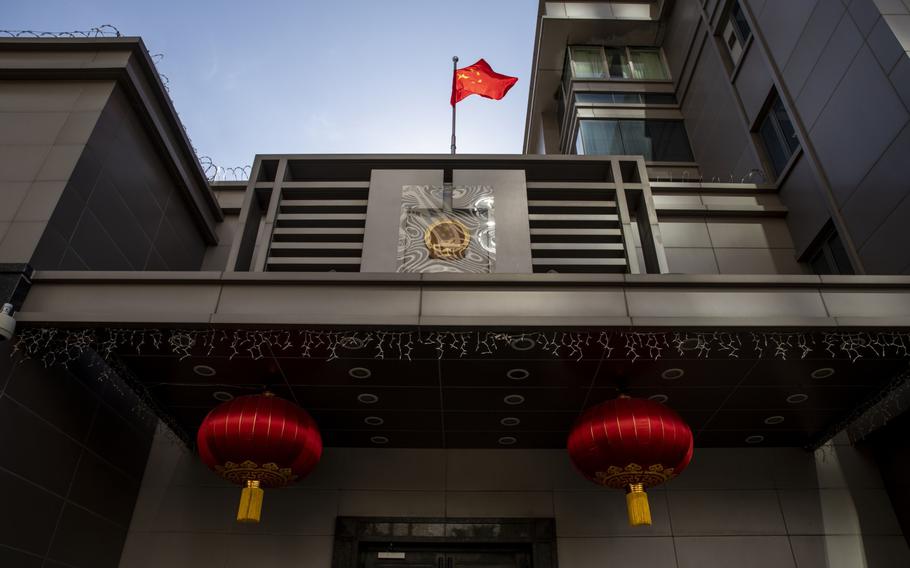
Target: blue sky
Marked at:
333, 76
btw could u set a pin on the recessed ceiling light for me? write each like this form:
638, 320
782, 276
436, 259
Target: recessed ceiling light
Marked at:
797, 398
755, 439
222, 396
367, 398
522, 343
204, 370
822, 373
374, 421
514, 399
661, 398
672, 374
510, 421
379, 440
507, 440
518, 374
771, 420
360, 373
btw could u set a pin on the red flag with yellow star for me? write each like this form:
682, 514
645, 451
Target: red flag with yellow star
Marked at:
480, 79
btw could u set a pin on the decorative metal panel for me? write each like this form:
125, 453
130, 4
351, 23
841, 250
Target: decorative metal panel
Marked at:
447, 229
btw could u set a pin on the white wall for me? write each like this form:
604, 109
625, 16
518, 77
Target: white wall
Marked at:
733, 507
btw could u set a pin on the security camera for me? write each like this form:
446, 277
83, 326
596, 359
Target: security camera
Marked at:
7, 322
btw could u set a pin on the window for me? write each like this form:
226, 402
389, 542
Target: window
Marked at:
777, 135
595, 62
736, 32
609, 97
656, 140
587, 63
830, 256
647, 64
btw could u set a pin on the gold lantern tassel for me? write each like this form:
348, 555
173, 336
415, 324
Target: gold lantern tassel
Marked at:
250, 509
637, 503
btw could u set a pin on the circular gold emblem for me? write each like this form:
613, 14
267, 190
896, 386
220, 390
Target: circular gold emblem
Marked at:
447, 239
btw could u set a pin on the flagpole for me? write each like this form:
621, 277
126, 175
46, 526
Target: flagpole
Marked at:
454, 71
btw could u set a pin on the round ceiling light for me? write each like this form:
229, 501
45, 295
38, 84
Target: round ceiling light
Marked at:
204, 371
367, 398
507, 441
510, 421
373, 421
514, 399
379, 440
222, 396
797, 398
523, 343
755, 439
822, 373
518, 374
772, 420
661, 398
672, 374
360, 373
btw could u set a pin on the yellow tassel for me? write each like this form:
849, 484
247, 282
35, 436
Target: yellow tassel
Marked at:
637, 503
250, 509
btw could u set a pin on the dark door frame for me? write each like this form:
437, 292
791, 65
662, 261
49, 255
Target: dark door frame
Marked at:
538, 534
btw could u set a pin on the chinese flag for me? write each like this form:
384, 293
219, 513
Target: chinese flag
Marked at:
480, 79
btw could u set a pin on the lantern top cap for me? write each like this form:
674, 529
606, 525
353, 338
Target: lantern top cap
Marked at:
624, 396
268, 393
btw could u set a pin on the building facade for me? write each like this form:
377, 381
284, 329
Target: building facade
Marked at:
708, 214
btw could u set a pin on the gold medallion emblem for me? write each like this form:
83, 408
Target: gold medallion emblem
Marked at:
447, 239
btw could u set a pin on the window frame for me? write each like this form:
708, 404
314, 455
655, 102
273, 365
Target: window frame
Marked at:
729, 29
579, 142
769, 114
607, 76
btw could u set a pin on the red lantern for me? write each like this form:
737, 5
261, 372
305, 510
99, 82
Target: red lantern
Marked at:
631, 444
259, 441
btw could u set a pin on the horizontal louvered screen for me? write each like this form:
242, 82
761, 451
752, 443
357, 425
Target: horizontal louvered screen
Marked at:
319, 230
575, 230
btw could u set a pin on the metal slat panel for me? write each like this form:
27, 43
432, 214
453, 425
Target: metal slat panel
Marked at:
611, 232
551, 217
314, 260
577, 246
558, 203
319, 231
322, 216
316, 245
569, 185
323, 202
581, 261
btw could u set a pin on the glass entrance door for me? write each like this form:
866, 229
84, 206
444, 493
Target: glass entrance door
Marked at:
453, 558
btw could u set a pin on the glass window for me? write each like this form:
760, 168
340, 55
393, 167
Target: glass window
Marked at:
608, 97
647, 64
830, 256
600, 138
736, 32
618, 63
655, 140
778, 136
587, 63
739, 21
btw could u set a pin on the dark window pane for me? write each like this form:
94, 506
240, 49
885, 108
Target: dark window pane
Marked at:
600, 137
635, 139
839, 254
820, 264
618, 63
776, 153
659, 98
739, 20
598, 98
627, 98
786, 127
